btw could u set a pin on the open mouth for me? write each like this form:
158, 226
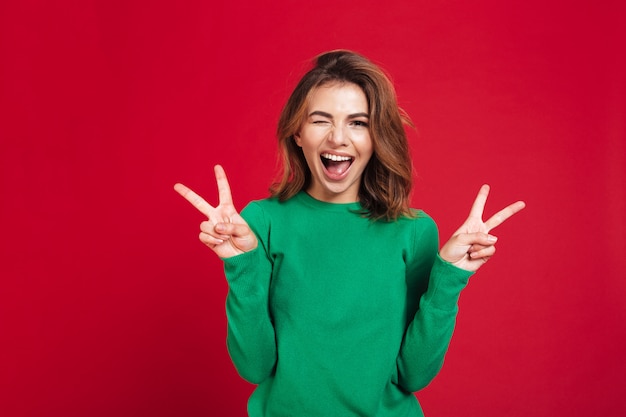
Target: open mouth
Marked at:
336, 165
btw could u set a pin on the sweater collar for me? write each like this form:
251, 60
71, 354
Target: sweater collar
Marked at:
305, 198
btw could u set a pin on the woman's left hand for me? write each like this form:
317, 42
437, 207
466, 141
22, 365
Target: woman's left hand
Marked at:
472, 245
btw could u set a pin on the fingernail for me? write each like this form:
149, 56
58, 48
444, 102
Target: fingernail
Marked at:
220, 227
492, 238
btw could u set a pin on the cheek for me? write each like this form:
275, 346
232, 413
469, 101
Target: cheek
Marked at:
366, 146
309, 152
311, 139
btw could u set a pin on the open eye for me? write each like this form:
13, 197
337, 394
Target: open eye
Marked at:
360, 123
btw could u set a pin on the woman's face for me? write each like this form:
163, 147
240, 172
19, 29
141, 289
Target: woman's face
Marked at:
335, 140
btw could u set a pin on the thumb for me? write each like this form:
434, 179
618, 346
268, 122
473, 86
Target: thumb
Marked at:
241, 236
475, 238
233, 229
458, 246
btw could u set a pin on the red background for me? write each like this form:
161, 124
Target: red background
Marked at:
110, 306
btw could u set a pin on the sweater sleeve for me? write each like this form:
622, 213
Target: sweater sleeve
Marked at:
251, 338
428, 335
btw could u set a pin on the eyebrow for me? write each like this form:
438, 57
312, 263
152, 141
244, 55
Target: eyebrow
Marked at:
330, 116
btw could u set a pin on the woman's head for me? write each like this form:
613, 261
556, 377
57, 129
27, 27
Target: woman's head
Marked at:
386, 181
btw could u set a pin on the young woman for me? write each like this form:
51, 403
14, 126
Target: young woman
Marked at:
339, 302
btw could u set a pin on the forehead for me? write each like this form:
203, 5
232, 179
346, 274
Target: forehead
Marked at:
338, 96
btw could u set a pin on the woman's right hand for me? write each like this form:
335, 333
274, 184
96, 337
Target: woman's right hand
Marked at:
224, 231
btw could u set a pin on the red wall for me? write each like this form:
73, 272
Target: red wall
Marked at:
110, 306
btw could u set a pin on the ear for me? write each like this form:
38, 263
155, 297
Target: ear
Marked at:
296, 138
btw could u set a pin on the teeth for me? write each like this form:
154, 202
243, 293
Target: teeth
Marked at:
335, 157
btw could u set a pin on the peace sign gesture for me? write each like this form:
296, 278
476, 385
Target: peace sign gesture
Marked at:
224, 231
472, 245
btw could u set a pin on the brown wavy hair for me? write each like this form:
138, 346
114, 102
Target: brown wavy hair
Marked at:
386, 184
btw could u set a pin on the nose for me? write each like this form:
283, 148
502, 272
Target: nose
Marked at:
338, 136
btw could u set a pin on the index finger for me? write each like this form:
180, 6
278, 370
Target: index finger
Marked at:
479, 204
223, 188
498, 218
195, 200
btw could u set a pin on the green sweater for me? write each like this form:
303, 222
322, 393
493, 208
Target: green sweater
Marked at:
338, 315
